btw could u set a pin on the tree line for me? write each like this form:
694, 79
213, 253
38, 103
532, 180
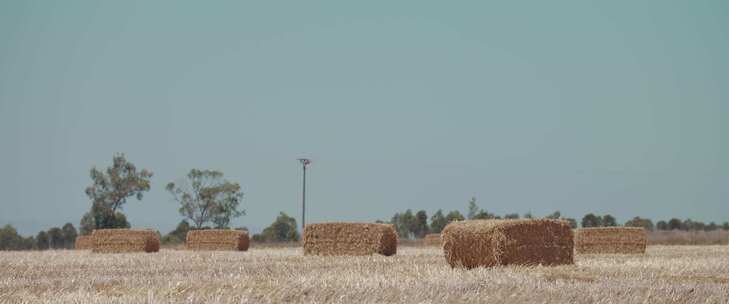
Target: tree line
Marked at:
414, 225
54, 238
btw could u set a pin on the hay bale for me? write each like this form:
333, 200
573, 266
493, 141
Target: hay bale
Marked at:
84, 242
432, 239
350, 239
125, 240
611, 240
485, 243
217, 239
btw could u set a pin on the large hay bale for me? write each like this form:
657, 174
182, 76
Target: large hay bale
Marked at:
432, 239
611, 240
84, 242
125, 240
485, 243
217, 239
350, 239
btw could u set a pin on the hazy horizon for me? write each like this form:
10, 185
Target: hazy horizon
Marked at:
610, 107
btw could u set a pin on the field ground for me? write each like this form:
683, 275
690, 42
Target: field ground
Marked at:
666, 274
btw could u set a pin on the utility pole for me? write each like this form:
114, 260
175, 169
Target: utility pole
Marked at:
304, 163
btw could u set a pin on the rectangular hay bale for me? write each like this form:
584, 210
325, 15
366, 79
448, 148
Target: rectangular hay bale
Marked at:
611, 240
486, 243
125, 240
84, 242
432, 239
350, 239
217, 239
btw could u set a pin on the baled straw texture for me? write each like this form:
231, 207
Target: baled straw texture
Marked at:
485, 243
610, 240
350, 239
84, 242
432, 239
217, 239
125, 240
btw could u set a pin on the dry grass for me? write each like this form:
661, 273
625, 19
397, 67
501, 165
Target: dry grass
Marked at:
678, 274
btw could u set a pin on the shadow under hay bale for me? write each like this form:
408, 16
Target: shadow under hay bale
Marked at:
125, 240
350, 239
610, 240
84, 242
432, 239
485, 243
217, 239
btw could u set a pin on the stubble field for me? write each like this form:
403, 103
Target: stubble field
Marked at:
666, 274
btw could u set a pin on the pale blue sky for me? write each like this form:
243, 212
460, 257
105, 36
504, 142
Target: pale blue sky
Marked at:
583, 106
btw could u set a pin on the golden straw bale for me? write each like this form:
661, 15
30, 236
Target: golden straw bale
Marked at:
611, 240
84, 242
350, 239
125, 240
432, 239
485, 243
217, 239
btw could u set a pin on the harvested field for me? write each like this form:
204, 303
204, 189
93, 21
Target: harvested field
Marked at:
350, 239
610, 240
217, 239
125, 240
84, 242
432, 239
485, 243
665, 274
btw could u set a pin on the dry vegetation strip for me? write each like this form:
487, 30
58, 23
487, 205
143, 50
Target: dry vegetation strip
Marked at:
678, 274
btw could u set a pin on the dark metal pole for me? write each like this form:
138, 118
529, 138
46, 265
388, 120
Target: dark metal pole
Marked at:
303, 203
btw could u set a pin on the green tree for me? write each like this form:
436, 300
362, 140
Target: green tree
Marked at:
591, 220
528, 215
637, 221
454, 216
283, 229
725, 226
438, 222
102, 217
206, 197
555, 216
69, 235
675, 224
609, 221
55, 237
179, 235
9, 238
473, 209
573, 222
404, 222
512, 216
41, 241
119, 182
420, 225
662, 225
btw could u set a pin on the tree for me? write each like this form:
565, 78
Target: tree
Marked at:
637, 221
472, 208
9, 238
675, 224
207, 198
69, 236
711, 227
41, 241
55, 238
121, 180
454, 216
178, 235
556, 215
102, 217
283, 229
591, 220
573, 222
484, 215
609, 221
438, 222
420, 225
528, 215
512, 216
404, 222
725, 226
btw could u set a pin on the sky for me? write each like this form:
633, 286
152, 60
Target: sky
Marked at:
615, 107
